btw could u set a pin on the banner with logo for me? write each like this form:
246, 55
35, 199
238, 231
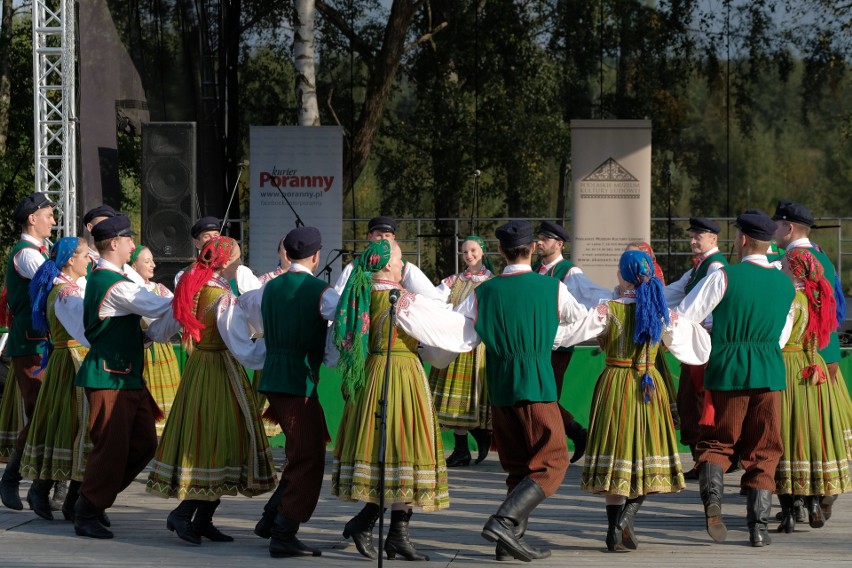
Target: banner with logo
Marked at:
303, 164
611, 169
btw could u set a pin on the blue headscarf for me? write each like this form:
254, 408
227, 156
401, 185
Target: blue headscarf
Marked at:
42, 284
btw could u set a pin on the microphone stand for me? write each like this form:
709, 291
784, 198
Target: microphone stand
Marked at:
225, 221
327, 267
299, 222
383, 420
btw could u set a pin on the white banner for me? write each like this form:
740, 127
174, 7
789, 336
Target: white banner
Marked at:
305, 163
611, 169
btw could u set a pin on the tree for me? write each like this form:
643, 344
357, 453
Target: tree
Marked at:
303, 58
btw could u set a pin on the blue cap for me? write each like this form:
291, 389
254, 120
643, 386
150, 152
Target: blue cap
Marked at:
302, 242
793, 212
99, 211
554, 231
756, 224
205, 224
514, 234
117, 226
703, 225
29, 205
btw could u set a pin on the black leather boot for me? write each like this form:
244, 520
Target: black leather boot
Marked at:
788, 517
398, 541
815, 518
10, 482
179, 521
538, 553
758, 507
39, 498
626, 522
360, 528
203, 525
86, 520
501, 526
826, 502
483, 443
60, 491
579, 436
711, 486
613, 533
284, 542
70, 499
461, 453
263, 528
799, 509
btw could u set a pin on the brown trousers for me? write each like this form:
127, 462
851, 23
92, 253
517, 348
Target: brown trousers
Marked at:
124, 441
559, 360
303, 422
690, 402
29, 381
751, 420
531, 443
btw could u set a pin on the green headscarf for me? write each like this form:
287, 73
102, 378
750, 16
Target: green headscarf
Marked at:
486, 260
135, 254
352, 324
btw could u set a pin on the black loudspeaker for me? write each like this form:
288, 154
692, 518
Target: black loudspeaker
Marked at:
168, 190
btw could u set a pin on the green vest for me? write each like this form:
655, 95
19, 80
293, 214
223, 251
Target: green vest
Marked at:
23, 339
747, 326
117, 357
831, 353
558, 270
517, 316
295, 334
701, 271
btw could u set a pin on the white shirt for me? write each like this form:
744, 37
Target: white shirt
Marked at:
413, 280
703, 299
68, 308
232, 324
676, 291
445, 288
28, 260
246, 280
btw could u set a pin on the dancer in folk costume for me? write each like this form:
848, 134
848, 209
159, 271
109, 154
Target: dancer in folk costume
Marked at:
162, 372
213, 443
460, 391
633, 449
283, 264
814, 463
415, 471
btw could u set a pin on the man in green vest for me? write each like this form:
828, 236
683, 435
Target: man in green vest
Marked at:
751, 307
121, 418
34, 214
516, 315
551, 238
295, 309
703, 240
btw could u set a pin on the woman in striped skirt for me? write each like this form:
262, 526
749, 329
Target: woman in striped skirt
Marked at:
460, 391
814, 415
632, 450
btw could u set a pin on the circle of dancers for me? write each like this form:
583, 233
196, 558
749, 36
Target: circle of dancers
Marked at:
95, 394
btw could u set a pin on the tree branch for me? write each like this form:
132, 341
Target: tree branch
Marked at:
425, 37
337, 20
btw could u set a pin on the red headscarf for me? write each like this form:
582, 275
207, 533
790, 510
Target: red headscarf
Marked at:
646, 248
821, 305
214, 255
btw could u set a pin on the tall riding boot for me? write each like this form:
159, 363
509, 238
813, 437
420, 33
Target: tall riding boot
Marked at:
579, 436
758, 506
788, 518
815, 518
60, 491
39, 498
398, 541
501, 526
613, 534
711, 485
284, 542
626, 522
461, 453
70, 499
360, 528
520, 530
826, 502
86, 520
10, 482
263, 528
180, 521
483, 443
203, 525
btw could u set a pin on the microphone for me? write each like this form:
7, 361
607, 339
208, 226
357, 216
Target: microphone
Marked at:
243, 164
477, 173
394, 296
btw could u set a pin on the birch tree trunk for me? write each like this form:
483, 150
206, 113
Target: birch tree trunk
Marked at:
303, 52
5, 84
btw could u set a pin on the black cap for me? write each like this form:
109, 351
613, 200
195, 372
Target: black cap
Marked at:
302, 242
205, 224
99, 211
756, 224
554, 231
118, 226
703, 225
382, 223
793, 212
514, 234
29, 205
